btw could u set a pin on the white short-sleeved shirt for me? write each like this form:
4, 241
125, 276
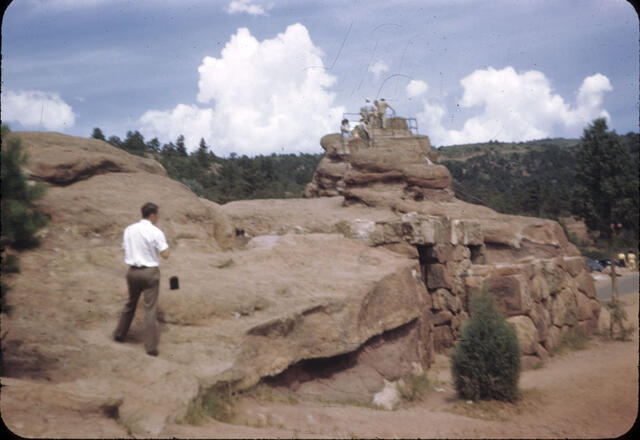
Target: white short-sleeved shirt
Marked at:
142, 241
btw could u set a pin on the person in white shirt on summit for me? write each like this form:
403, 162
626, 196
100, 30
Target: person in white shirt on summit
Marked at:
142, 243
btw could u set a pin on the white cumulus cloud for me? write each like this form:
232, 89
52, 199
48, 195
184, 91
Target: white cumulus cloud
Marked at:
516, 107
190, 121
258, 97
37, 109
378, 68
245, 6
416, 88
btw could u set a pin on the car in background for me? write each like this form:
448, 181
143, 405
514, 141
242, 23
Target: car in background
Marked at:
595, 265
607, 262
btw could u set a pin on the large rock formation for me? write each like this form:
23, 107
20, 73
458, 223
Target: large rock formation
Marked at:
367, 282
389, 167
389, 192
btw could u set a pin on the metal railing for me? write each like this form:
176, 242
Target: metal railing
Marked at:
412, 123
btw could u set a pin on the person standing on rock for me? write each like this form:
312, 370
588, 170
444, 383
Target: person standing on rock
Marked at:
381, 111
362, 131
345, 131
368, 111
142, 243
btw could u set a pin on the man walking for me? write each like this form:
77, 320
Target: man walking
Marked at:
142, 242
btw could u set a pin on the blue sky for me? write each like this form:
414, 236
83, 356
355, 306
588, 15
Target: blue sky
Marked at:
263, 76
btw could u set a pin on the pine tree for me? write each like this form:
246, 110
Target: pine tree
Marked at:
202, 154
19, 219
487, 357
181, 147
606, 194
97, 134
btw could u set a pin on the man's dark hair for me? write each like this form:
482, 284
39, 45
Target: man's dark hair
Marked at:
148, 209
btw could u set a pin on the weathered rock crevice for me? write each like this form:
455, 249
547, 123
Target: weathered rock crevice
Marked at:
67, 174
357, 374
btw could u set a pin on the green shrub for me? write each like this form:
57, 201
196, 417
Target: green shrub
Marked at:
486, 360
216, 402
413, 387
618, 319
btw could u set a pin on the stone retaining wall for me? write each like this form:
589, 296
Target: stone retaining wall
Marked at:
542, 297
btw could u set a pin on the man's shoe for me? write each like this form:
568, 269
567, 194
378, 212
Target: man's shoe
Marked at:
152, 353
118, 338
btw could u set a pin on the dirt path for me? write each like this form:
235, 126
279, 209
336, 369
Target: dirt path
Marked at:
588, 393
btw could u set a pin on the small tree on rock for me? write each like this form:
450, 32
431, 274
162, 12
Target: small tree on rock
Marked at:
486, 360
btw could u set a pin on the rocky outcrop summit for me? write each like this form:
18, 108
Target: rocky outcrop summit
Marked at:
360, 282
388, 167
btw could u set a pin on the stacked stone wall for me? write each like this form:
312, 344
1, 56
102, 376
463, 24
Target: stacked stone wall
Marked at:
543, 298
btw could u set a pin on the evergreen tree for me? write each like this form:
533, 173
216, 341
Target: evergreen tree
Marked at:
97, 134
202, 154
533, 199
486, 361
20, 220
134, 143
606, 194
115, 141
154, 145
180, 146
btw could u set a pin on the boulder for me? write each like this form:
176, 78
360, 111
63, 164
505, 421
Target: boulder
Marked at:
452, 301
439, 276
473, 284
563, 308
388, 397
541, 319
419, 229
553, 338
585, 284
500, 233
575, 265
63, 160
334, 170
584, 307
554, 275
539, 288
527, 333
511, 292
441, 253
465, 232
432, 176
460, 253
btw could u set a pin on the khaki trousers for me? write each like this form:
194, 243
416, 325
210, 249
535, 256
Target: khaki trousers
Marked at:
142, 280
